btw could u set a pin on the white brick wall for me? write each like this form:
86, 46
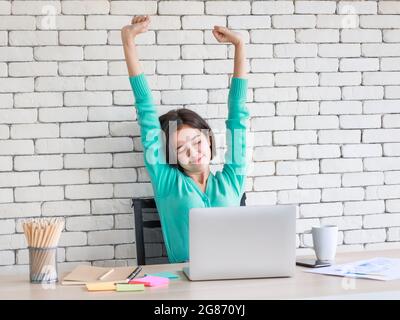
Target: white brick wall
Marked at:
324, 83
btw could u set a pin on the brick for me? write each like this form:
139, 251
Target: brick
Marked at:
363, 207
317, 122
18, 116
364, 236
96, 129
272, 65
89, 191
381, 135
380, 50
124, 221
59, 83
7, 258
382, 192
344, 223
381, 106
391, 149
16, 85
393, 234
6, 163
389, 7
357, 7
296, 108
61, 23
340, 107
272, 123
227, 7
319, 93
295, 50
381, 164
341, 165
63, 114
202, 52
381, 78
318, 151
16, 210
89, 223
125, 251
111, 206
379, 21
38, 99
381, 220
362, 179
388, 64
342, 194
296, 79
249, 22
37, 162
64, 177
360, 121
93, 98
107, 83
89, 253
275, 94
112, 175
297, 167
294, 137
33, 38
363, 150
337, 21
5, 7
360, 35
30, 194
314, 7
87, 161
391, 121
321, 210
269, 7
340, 78
362, 92
86, 7
272, 36
359, 64
316, 64
176, 7
204, 81
274, 183
17, 23
309, 181
21, 69
111, 237
138, 189
298, 196
16, 147
7, 226
183, 96
59, 146
6, 100
339, 136
339, 50
293, 21
36, 7
103, 52
392, 177
317, 36
66, 207
26, 131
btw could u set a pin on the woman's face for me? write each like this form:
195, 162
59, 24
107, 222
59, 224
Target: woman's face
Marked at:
193, 148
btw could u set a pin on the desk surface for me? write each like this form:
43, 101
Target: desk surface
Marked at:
302, 286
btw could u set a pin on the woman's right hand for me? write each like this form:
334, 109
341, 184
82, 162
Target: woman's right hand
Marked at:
139, 24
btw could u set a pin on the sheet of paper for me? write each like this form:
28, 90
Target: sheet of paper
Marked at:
151, 281
101, 286
122, 287
169, 275
376, 268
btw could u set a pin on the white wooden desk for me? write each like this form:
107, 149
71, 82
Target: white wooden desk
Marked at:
302, 286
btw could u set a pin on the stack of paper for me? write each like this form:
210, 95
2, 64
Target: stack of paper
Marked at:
376, 268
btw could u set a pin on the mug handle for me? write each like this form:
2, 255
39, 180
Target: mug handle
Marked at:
302, 244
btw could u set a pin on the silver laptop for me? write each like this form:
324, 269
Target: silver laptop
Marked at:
242, 242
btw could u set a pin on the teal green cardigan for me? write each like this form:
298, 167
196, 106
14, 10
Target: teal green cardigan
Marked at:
175, 192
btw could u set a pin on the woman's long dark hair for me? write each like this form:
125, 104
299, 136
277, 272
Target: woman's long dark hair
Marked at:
179, 118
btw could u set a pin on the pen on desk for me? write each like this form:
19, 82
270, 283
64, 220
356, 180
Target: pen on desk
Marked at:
106, 274
134, 273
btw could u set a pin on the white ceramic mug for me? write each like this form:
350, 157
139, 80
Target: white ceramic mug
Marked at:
324, 242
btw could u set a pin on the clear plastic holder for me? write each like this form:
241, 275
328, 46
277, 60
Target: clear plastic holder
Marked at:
43, 265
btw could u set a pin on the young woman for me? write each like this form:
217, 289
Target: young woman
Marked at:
180, 170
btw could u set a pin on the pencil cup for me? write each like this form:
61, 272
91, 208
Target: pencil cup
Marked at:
43, 265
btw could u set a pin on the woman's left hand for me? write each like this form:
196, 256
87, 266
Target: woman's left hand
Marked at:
224, 35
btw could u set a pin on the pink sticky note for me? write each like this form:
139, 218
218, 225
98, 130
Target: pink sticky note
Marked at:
150, 281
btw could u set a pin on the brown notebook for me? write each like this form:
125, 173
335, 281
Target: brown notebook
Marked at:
83, 274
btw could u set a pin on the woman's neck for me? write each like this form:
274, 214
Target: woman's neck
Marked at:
200, 177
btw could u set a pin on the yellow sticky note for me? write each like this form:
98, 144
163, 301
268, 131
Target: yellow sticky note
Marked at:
100, 286
129, 287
